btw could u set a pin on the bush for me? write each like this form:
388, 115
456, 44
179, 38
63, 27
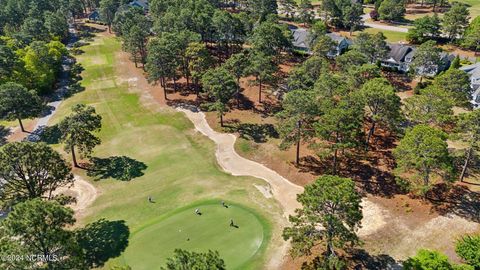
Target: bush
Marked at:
420, 86
468, 248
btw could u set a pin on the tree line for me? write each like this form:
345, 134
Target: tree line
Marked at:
37, 221
453, 26
328, 104
336, 106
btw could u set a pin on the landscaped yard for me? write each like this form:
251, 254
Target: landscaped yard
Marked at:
181, 172
391, 36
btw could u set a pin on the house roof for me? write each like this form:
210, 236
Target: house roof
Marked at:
139, 3
447, 56
94, 15
398, 52
300, 37
336, 37
472, 70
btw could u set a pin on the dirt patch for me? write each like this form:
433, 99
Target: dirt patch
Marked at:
413, 224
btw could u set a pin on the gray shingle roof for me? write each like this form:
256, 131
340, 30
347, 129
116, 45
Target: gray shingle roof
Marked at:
472, 70
300, 38
398, 52
336, 37
141, 3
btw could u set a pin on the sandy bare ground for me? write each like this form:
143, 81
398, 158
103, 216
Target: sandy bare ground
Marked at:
83, 192
400, 233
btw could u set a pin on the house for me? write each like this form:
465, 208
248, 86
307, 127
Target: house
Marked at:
399, 57
300, 39
445, 61
94, 16
474, 73
300, 42
143, 4
342, 44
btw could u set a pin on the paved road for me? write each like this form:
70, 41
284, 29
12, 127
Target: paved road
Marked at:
365, 17
57, 97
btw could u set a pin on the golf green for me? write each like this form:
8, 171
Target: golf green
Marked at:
152, 244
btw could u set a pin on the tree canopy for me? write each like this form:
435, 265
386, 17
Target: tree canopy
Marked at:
31, 170
432, 106
427, 259
457, 83
427, 59
37, 227
455, 20
392, 10
183, 259
382, 104
17, 103
468, 130
297, 118
471, 37
330, 215
77, 131
425, 28
374, 46
221, 86
424, 150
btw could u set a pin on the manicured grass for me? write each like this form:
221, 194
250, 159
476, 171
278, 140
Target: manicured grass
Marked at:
474, 7
391, 36
182, 168
211, 230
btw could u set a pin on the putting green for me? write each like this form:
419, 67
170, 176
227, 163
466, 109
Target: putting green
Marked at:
151, 245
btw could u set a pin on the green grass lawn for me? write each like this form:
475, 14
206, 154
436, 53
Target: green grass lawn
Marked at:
210, 230
182, 170
392, 36
474, 7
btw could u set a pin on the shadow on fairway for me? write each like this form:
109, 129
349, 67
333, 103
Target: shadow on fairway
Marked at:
103, 240
117, 167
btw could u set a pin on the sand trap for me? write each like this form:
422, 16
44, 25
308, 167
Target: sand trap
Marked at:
265, 190
84, 193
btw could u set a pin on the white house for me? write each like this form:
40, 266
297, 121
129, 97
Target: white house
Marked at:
474, 73
399, 57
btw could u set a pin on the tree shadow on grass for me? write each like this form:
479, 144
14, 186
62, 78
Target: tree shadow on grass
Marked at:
117, 167
103, 240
